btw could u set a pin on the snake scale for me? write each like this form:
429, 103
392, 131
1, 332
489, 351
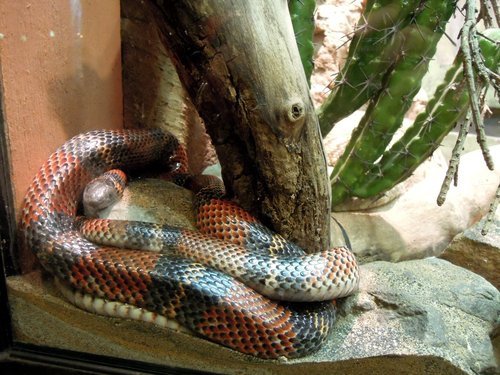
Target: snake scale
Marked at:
233, 282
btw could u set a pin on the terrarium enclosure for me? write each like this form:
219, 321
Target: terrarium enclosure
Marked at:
229, 80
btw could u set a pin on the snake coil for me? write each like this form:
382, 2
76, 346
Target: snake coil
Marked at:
230, 283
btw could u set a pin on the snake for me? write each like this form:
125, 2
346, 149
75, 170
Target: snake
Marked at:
233, 282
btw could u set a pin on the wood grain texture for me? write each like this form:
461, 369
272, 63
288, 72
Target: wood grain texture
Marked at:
240, 65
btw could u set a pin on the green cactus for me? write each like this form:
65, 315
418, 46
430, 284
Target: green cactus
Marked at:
449, 104
302, 15
373, 49
388, 57
386, 110
489, 43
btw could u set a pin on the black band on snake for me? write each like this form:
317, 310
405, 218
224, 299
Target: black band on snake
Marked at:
233, 282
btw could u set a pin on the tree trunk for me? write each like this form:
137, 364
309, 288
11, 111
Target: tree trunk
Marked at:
240, 65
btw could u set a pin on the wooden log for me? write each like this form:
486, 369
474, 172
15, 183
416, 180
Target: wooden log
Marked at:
240, 65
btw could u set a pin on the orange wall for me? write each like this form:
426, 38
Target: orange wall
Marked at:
61, 75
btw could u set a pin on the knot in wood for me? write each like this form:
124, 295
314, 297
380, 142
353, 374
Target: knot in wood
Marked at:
295, 112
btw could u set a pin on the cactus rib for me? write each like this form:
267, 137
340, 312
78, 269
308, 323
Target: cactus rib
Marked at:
385, 112
449, 104
422, 138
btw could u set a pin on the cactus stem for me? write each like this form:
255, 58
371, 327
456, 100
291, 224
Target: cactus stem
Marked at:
343, 80
364, 87
434, 144
300, 32
428, 124
408, 155
302, 17
420, 31
376, 170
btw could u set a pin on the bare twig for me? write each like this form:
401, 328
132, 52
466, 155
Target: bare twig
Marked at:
491, 213
455, 159
468, 34
490, 13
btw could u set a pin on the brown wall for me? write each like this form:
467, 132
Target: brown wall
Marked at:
61, 75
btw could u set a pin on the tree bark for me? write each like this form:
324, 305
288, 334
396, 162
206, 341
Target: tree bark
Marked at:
240, 65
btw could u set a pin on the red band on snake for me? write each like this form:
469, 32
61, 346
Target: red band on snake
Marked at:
230, 283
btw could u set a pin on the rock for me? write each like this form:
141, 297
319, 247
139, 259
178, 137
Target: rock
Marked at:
154, 201
412, 226
477, 253
416, 317
427, 307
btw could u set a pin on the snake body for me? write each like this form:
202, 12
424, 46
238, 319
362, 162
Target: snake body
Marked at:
230, 283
